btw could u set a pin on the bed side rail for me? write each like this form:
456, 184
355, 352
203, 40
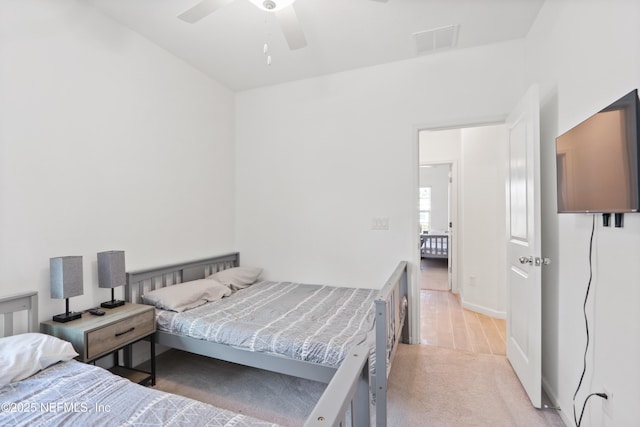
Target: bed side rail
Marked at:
391, 328
154, 278
27, 301
349, 389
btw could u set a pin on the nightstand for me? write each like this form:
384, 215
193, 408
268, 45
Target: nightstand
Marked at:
94, 337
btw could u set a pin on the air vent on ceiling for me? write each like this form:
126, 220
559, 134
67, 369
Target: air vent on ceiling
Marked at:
436, 39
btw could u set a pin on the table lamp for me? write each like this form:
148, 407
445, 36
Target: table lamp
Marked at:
111, 273
66, 282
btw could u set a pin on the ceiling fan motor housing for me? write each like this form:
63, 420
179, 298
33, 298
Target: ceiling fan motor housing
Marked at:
272, 5
283, 10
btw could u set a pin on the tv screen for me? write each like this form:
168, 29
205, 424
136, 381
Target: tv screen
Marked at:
597, 161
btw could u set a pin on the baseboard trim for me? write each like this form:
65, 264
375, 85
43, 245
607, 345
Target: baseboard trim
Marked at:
484, 310
554, 402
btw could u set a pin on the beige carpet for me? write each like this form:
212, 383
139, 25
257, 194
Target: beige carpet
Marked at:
449, 388
277, 398
428, 386
434, 274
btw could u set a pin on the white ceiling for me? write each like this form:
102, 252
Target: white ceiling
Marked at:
341, 34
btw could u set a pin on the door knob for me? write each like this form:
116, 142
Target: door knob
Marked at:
526, 260
537, 261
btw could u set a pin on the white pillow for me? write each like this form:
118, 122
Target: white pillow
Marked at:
25, 354
237, 277
187, 295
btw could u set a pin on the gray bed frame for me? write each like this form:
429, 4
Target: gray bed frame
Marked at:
27, 301
434, 245
391, 325
350, 388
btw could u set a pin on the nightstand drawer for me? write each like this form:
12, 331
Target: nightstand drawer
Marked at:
116, 335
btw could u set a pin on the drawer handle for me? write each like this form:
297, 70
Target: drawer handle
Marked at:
125, 332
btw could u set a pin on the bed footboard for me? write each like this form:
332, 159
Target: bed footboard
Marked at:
392, 327
349, 389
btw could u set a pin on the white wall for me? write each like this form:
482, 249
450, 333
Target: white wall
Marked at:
437, 177
483, 219
106, 142
585, 55
318, 159
442, 146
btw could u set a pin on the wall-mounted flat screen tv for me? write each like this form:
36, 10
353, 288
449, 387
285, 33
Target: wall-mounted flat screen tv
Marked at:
597, 161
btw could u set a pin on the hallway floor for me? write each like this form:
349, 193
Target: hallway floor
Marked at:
444, 323
434, 274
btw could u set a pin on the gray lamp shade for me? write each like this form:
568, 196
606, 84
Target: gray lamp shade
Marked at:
66, 276
111, 269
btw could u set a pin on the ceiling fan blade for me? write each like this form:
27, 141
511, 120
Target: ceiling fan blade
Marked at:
291, 28
202, 9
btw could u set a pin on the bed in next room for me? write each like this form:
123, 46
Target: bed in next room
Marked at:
41, 384
434, 245
296, 329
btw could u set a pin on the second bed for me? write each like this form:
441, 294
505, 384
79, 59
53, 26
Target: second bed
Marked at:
290, 328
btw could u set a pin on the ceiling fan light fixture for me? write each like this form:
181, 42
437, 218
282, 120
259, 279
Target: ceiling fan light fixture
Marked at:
272, 5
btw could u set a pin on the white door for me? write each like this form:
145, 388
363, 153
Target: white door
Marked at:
523, 246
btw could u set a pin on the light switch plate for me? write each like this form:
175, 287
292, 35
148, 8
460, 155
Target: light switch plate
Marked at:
380, 223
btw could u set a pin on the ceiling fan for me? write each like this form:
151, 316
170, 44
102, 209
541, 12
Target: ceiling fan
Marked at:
283, 9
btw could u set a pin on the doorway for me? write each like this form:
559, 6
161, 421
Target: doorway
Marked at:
435, 226
468, 312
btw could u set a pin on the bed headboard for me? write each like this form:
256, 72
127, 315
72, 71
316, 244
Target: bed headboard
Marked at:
27, 301
139, 282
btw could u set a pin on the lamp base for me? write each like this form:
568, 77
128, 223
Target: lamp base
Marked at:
66, 317
112, 304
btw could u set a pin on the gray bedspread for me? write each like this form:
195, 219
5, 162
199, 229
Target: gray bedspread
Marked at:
313, 323
76, 394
